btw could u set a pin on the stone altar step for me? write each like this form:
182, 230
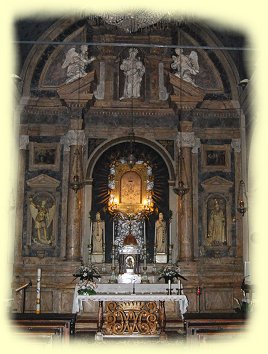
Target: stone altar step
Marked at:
86, 323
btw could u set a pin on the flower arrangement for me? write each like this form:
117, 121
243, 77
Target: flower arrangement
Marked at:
170, 272
86, 275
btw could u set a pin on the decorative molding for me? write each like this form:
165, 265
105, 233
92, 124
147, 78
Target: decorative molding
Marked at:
217, 184
236, 145
163, 94
43, 181
23, 142
99, 92
185, 139
215, 113
168, 145
73, 137
196, 146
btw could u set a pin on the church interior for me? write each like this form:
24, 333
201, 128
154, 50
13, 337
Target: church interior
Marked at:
132, 205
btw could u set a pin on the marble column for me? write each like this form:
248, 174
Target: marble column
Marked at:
186, 141
23, 146
196, 204
76, 139
236, 145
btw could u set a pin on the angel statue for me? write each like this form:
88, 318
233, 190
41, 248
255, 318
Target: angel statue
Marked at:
186, 66
76, 63
43, 217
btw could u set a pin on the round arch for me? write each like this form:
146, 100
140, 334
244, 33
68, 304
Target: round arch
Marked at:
93, 158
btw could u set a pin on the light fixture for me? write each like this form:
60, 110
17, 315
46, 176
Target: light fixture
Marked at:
242, 198
182, 187
77, 178
132, 21
131, 159
112, 203
76, 181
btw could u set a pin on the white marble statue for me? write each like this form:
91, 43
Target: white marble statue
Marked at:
133, 71
186, 66
161, 234
76, 63
98, 234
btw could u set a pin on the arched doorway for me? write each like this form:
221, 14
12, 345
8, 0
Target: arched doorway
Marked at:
100, 195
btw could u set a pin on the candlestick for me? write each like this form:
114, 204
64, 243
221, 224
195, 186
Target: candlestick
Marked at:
113, 232
144, 232
170, 231
91, 231
38, 292
144, 256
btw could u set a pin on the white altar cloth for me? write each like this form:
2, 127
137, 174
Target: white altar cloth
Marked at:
78, 299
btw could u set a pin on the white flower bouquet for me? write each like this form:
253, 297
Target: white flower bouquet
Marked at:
86, 277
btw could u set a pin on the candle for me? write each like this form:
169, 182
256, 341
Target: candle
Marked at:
169, 286
179, 287
144, 233
113, 232
170, 232
246, 269
38, 292
133, 283
90, 235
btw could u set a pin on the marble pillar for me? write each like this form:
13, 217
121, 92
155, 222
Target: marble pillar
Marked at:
196, 204
23, 146
236, 145
75, 139
186, 141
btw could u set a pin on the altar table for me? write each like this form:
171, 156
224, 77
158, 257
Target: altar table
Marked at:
131, 314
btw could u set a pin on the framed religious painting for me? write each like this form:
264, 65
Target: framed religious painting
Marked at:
216, 158
44, 156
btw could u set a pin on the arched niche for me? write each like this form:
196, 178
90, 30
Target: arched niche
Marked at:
99, 190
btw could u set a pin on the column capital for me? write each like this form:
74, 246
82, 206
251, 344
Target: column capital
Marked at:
197, 145
23, 142
185, 139
73, 137
236, 145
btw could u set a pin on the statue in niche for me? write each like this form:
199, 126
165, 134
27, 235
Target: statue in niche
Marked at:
98, 234
76, 63
216, 224
133, 71
160, 234
186, 66
43, 216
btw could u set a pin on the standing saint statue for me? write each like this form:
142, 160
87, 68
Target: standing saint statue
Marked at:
98, 234
133, 71
43, 217
76, 63
216, 225
186, 66
160, 234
